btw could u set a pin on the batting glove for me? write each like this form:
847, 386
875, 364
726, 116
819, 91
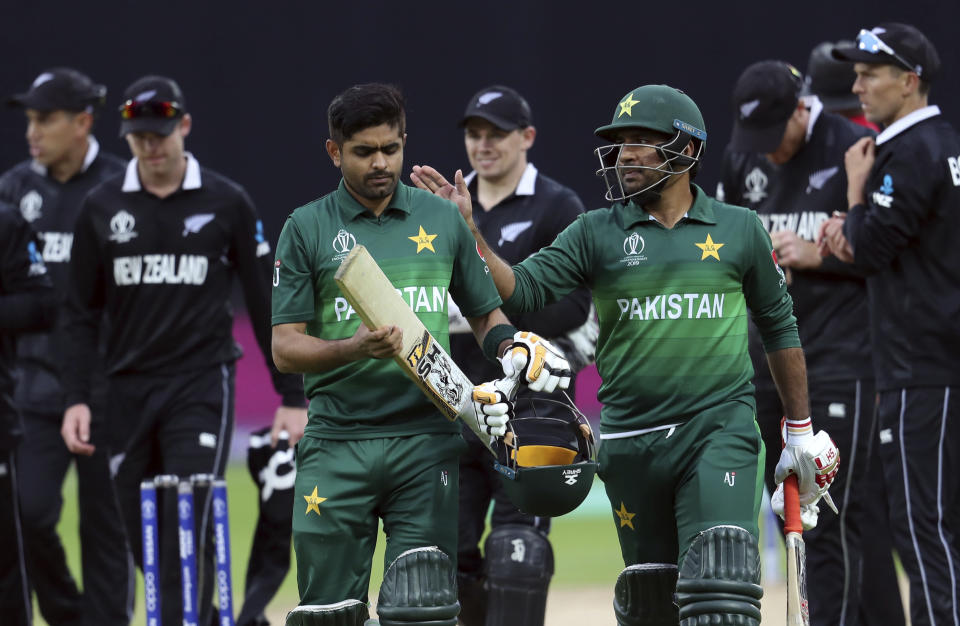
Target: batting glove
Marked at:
491, 401
541, 365
808, 512
813, 458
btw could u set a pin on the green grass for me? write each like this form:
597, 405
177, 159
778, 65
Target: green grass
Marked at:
585, 544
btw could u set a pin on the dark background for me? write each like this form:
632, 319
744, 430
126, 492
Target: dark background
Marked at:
258, 77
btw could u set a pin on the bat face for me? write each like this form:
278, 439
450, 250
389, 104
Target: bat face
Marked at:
798, 608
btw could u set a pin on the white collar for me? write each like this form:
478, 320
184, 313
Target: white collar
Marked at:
526, 187
131, 181
93, 149
906, 122
816, 108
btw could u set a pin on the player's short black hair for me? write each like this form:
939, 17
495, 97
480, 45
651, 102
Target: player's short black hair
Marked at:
363, 106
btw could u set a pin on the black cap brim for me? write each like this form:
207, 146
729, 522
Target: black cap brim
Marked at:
499, 122
31, 101
840, 103
149, 125
856, 55
759, 140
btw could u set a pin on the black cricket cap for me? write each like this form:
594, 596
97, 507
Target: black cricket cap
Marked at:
501, 106
764, 98
148, 92
831, 79
912, 50
61, 89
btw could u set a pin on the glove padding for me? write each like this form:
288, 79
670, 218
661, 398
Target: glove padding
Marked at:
541, 365
815, 462
491, 401
808, 512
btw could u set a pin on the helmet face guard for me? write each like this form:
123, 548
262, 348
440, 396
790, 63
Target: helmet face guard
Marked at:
673, 162
547, 464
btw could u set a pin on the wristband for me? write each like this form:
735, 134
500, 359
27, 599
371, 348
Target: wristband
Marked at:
494, 337
798, 431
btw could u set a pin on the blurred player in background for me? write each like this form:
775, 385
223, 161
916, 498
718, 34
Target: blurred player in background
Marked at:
785, 162
521, 211
673, 274
155, 255
903, 194
27, 303
65, 164
831, 79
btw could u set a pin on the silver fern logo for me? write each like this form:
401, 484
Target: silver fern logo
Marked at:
194, 223
510, 232
819, 178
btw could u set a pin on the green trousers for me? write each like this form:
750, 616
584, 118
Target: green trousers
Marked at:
667, 486
344, 487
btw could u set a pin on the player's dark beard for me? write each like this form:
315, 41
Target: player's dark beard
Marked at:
375, 193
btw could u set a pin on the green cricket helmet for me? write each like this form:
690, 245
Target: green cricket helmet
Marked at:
663, 109
547, 464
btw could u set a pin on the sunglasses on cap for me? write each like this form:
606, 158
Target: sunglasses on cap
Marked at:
131, 109
869, 42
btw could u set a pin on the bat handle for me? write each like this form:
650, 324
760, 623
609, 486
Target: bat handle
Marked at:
791, 506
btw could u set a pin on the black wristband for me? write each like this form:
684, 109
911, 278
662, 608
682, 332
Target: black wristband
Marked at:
495, 336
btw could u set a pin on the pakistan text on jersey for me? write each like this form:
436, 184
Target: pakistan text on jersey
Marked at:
421, 299
672, 306
154, 269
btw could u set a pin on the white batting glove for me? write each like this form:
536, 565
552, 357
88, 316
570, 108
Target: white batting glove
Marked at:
541, 366
808, 512
813, 458
492, 403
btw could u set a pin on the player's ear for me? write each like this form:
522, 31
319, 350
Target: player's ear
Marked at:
529, 134
404, 140
333, 149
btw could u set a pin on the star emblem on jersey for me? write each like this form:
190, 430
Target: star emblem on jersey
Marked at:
423, 241
626, 105
313, 502
709, 248
626, 518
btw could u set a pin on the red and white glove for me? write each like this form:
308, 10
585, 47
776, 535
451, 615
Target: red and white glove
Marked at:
541, 365
813, 458
493, 405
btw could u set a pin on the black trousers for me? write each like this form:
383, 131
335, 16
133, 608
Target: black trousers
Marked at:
108, 577
920, 455
177, 424
851, 577
479, 484
15, 604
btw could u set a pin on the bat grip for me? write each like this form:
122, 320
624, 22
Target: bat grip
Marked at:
791, 506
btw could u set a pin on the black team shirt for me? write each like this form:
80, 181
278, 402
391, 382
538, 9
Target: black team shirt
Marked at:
519, 225
830, 303
52, 208
905, 237
161, 271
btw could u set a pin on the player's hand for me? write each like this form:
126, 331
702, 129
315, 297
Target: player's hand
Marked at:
492, 403
290, 419
831, 240
858, 162
809, 513
429, 179
533, 359
794, 252
815, 462
75, 429
382, 343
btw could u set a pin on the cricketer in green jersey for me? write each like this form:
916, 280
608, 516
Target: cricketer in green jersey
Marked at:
374, 446
673, 274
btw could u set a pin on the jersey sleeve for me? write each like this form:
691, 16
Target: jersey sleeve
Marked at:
27, 300
883, 227
293, 292
471, 285
552, 272
84, 309
765, 290
252, 254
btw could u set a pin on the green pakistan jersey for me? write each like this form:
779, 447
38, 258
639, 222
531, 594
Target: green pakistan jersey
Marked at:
672, 305
425, 249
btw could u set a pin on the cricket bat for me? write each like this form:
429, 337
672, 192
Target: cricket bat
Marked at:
378, 303
798, 609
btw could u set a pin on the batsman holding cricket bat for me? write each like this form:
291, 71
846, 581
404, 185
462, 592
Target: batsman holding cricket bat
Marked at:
375, 446
674, 274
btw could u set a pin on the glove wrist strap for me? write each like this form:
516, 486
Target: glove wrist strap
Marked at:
798, 432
